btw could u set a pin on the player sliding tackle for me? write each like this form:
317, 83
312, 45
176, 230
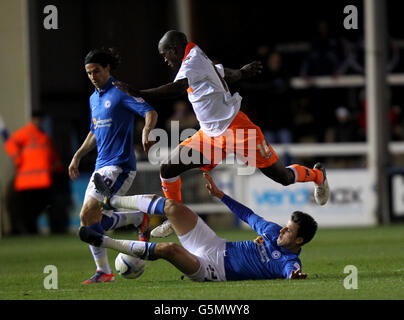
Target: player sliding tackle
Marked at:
203, 255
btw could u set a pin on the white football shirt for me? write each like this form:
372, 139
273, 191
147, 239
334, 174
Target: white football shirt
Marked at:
214, 106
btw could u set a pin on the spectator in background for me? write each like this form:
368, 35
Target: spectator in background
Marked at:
324, 56
345, 128
303, 122
183, 114
37, 165
395, 117
323, 59
269, 95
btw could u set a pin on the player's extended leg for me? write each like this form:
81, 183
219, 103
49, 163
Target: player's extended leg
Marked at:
183, 221
94, 218
298, 173
90, 217
251, 145
182, 218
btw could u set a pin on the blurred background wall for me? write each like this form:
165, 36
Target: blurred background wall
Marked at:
15, 83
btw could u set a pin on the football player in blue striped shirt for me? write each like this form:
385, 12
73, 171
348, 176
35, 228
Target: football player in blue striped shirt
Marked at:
203, 255
112, 133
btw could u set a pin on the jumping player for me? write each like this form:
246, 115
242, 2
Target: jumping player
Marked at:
203, 255
111, 131
221, 121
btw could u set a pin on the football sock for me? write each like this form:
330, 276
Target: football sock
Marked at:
149, 203
141, 249
304, 174
100, 254
101, 259
172, 188
120, 219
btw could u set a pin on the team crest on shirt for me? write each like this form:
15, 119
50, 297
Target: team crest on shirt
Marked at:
107, 104
275, 254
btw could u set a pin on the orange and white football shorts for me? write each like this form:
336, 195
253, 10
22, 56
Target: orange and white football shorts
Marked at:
242, 137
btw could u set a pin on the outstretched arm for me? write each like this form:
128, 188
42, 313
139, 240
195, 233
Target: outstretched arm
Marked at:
169, 90
245, 72
240, 210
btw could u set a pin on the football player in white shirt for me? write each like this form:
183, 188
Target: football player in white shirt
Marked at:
223, 127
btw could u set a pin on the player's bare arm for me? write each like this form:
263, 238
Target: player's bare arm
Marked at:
89, 144
245, 72
167, 91
212, 188
150, 124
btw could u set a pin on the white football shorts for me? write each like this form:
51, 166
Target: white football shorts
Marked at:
116, 178
203, 242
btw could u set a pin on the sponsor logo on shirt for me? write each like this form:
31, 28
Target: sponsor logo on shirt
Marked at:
100, 123
259, 241
107, 104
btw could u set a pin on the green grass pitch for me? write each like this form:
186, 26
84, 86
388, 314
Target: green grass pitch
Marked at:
377, 253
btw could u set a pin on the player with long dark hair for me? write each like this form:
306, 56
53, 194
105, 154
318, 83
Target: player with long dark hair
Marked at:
111, 132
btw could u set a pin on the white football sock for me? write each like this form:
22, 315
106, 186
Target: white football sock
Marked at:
149, 203
128, 217
132, 248
101, 259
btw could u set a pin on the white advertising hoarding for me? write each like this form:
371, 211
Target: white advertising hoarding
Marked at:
397, 181
349, 204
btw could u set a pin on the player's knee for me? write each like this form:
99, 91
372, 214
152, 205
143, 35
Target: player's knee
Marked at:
90, 213
168, 250
165, 171
171, 207
284, 177
285, 180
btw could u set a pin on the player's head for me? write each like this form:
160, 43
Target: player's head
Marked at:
172, 47
99, 63
299, 230
37, 117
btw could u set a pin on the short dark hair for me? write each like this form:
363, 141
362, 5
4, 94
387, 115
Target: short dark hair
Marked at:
104, 57
173, 38
307, 225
